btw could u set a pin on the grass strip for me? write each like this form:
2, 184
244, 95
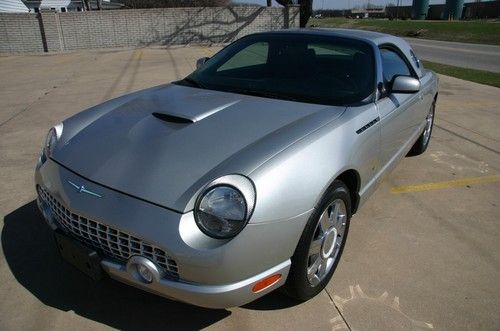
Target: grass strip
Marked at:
473, 75
479, 31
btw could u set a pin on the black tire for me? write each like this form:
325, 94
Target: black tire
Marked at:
298, 285
421, 144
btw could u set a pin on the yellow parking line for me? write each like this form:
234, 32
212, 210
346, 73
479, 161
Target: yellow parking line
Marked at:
63, 58
138, 55
446, 184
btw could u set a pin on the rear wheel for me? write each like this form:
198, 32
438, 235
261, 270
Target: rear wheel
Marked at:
423, 141
321, 244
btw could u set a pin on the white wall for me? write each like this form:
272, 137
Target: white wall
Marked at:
12, 6
57, 4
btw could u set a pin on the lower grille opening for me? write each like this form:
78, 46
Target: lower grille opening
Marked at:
105, 239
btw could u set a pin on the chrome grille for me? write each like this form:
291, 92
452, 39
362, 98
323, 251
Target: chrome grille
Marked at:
111, 242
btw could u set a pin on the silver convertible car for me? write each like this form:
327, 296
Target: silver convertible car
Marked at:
242, 177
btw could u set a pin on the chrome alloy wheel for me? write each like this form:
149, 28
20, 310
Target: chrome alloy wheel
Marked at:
327, 241
428, 125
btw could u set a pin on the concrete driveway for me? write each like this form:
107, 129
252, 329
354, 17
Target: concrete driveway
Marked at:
423, 253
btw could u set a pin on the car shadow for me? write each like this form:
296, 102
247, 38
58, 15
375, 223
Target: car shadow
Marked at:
30, 251
31, 254
273, 301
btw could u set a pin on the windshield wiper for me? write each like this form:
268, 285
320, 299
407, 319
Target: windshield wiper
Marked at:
191, 82
267, 94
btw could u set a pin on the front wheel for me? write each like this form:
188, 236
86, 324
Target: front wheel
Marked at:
423, 141
321, 244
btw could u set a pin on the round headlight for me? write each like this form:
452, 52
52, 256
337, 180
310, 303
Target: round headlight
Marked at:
222, 210
52, 137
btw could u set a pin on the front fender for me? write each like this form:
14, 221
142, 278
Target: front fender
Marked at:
293, 181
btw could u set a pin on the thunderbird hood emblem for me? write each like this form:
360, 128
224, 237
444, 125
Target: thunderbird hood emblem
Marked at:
82, 189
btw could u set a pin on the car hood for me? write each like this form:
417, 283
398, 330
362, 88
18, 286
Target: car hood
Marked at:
164, 144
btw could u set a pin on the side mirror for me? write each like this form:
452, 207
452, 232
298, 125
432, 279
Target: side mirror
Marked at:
201, 62
405, 84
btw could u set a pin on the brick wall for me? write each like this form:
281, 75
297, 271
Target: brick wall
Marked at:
54, 32
20, 33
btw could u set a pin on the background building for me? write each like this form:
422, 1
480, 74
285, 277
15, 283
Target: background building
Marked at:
34, 6
13, 6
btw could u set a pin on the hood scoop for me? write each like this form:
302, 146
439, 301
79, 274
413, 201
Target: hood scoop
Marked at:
201, 114
172, 118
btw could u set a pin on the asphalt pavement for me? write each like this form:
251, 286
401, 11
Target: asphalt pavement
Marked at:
422, 253
473, 56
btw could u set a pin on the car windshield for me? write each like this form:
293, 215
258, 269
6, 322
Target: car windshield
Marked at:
306, 68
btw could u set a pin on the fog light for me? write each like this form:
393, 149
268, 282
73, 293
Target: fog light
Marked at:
147, 276
144, 270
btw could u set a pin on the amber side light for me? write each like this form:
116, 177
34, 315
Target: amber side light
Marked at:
265, 283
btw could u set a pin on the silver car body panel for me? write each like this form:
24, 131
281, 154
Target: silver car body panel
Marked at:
130, 150
211, 296
149, 172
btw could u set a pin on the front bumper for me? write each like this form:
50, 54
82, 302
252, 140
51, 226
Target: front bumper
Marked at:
211, 273
210, 296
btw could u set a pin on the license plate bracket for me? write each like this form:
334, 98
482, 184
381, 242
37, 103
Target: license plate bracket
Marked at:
83, 258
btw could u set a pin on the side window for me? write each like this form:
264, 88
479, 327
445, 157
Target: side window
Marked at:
393, 65
251, 55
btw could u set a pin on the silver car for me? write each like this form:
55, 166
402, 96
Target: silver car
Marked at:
242, 177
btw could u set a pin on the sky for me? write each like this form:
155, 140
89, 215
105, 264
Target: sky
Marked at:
342, 4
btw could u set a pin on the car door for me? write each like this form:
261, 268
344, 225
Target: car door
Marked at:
398, 111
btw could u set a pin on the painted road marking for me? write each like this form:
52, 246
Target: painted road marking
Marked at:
446, 184
138, 55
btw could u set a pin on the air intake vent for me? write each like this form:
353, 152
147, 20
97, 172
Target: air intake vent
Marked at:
172, 118
360, 130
